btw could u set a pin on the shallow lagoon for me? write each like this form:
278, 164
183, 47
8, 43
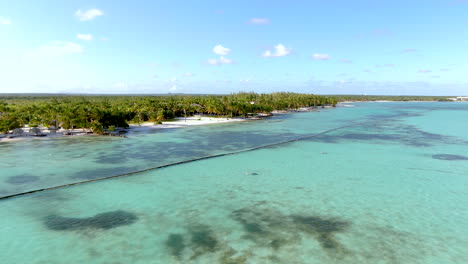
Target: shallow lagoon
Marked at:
387, 190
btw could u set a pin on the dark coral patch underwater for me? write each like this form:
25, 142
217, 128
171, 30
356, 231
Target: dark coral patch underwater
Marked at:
200, 239
22, 179
271, 228
262, 229
449, 157
175, 244
391, 131
322, 228
104, 221
203, 239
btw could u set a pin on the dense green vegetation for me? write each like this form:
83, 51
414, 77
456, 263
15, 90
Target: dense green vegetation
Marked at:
101, 112
366, 98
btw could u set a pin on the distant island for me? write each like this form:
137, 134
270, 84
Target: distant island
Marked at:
399, 98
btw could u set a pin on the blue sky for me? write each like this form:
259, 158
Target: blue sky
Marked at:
174, 46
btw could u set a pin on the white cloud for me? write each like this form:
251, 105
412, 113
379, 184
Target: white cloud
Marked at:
220, 61
84, 36
424, 71
189, 74
88, 14
225, 60
220, 50
346, 61
259, 21
280, 51
59, 48
320, 56
173, 88
4, 21
244, 80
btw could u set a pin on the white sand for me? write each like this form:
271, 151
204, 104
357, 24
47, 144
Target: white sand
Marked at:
189, 121
343, 104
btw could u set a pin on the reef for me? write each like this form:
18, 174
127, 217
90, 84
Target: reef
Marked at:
104, 221
273, 229
175, 244
199, 238
264, 228
449, 157
21, 179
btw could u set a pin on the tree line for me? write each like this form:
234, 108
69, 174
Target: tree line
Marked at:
402, 98
100, 112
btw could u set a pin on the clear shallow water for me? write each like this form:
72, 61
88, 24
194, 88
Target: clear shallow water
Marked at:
389, 191
42, 163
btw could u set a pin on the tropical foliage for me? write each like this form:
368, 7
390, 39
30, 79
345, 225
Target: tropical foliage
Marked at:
101, 112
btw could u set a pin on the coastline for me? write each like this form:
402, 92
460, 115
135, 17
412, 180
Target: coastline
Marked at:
178, 122
46, 135
409, 101
189, 121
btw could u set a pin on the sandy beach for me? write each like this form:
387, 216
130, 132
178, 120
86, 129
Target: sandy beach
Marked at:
177, 123
189, 121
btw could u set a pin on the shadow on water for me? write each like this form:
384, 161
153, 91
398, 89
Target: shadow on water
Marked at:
104, 221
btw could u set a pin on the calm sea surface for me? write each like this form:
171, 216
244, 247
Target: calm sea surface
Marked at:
373, 183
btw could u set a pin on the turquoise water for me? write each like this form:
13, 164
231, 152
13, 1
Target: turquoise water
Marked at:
42, 163
393, 188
